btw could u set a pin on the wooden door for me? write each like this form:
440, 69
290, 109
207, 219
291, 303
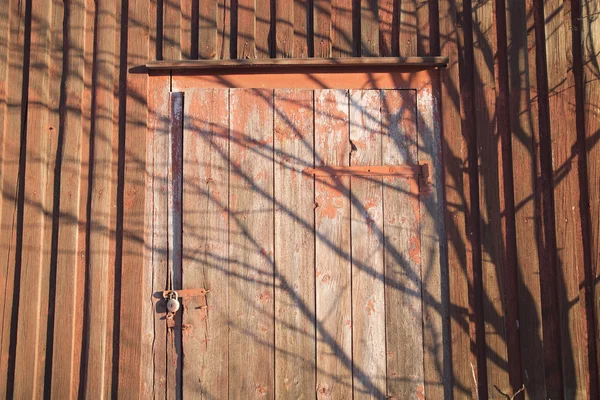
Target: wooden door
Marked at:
313, 274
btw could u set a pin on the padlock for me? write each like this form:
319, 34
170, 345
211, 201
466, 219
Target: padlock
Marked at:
173, 302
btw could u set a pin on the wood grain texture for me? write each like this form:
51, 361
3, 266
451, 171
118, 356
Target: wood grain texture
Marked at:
294, 245
251, 297
205, 238
254, 29
389, 37
404, 315
303, 35
369, 28
332, 251
207, 29
342, 31
455, 159
366, 228
130, 253
490, 205
591, 72
408, 27
570, 268
284, 29
524, 123
37, 222
189, 30
436, 354
172, 40
226, 45
103, 162
73, 154
322, 28
11, 124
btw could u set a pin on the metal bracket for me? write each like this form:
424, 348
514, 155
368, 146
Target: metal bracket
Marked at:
187, 292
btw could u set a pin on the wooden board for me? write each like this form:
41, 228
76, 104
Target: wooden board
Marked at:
369, 28
490, 204
251, 297
294, 245
253, 40
11, 124
367, 230
72, 157
172, 41
205, 237
524, 123
565, 169
332, 251
404, 323
207, 30
389, 38
408, 28
44, 83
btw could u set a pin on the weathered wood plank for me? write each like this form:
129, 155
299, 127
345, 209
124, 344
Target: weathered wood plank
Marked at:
366, 226
44, 84
404, 316
226, 44
369, 28
254, 29
565, 158
264, 22
322, 28
332, 251
251, 330
342, 39
131, 201
205, 238
189, 29
455, 159
303, 38
158, 124
11, 125
492, 243
427, 33
591, 72
172, 43
389, 27
408, 27
294, 245
284, 28
73, 153
208, 30
524, 122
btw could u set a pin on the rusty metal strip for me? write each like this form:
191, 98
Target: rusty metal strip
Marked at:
186, 292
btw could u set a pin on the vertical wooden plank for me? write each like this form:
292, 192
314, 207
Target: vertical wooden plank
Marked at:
389, 28
433, 251
322, 28
225, 45
455, 160
303, 40
158, 106
251, 331
294, 245
189, 30
591, 71
70, 261
524, 123
284, 29
37, 221
426, 29
492, 243
208, 31
369, 28
254, 29
565, 159
131, 198
174, 241
12, 124
408, 28
403, 304
342, 40
332, 249
366, 224
205, 237
172, 43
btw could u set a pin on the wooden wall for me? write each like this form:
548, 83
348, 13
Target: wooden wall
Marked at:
520, 114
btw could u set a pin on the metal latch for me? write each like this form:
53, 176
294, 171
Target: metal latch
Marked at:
172, 298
